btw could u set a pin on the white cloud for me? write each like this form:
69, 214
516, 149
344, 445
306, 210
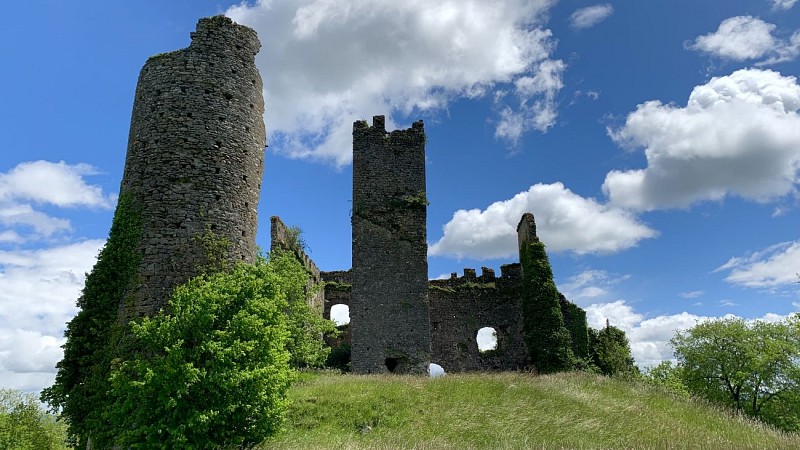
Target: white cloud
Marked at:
745, 37
327, 63
38, 291
775, 266
589, 284
783, 4
691, 294
590, 16
565, 222
44, 183
738, 38
58, 184
738, 135
617, 313
649, 337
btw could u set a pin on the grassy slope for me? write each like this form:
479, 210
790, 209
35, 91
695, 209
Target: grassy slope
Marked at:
508, 410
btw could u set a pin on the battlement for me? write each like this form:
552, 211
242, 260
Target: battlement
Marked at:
510, 276
401, 138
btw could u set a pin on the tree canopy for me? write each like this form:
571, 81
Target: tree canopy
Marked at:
610, 351
752, 366
214, 371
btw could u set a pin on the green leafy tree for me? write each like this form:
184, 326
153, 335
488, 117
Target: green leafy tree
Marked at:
306, 325
213, 372
667, 375
611, 352
752, 366
547, 339
25, 426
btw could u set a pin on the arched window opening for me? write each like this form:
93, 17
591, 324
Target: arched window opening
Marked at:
340, 314
487, 339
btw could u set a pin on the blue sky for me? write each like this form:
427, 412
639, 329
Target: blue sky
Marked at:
657, 143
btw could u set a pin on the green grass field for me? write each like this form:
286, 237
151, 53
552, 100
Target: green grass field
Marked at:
507, 411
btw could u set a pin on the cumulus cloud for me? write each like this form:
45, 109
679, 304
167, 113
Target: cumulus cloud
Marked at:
738, 135
38, 291
328, 63
649, 337
565, 222
590, 16
745, 37
773, 267
58, 184
30, 184
738, 38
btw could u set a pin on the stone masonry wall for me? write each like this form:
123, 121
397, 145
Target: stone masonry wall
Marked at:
195, 157
389, 311
460, 306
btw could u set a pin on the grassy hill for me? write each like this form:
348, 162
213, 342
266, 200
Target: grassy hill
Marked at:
507, 411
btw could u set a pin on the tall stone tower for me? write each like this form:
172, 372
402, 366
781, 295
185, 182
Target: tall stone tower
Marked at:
389, 312
195, 159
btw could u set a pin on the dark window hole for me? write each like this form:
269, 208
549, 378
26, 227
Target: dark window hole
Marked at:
216, 170
391, 364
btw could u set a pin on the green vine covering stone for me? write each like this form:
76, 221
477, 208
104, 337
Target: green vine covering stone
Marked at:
548, 341
93, 335
575, 322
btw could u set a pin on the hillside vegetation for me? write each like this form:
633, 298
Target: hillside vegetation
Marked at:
507, 411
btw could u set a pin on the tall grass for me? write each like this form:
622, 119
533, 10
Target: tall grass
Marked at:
508, 411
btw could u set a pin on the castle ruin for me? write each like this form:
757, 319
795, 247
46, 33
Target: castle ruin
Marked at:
194, 167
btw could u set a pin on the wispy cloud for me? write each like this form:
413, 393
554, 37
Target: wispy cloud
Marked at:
590, 16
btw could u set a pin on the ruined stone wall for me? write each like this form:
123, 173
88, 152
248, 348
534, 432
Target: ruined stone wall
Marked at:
460, 306
282, 238
195, 158
338, 287
389, 310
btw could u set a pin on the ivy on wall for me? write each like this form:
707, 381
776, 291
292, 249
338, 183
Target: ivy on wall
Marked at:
94, 335
548, 341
